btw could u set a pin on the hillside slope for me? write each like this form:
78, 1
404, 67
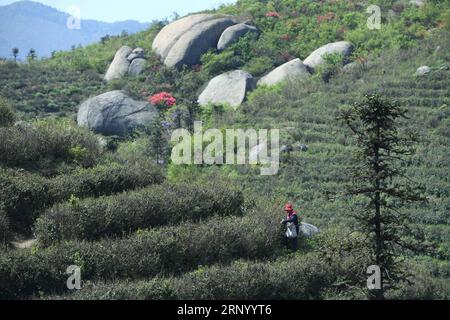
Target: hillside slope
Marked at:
238, 254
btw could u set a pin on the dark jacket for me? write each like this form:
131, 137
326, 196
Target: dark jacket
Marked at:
293, 218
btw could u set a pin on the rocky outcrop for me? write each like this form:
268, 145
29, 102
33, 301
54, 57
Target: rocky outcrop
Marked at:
229, 88
422, 71
316, 58
114, 113
119, 66
137, 66
171, 33
137, 53
290, 70
308, 230
125, 63
233, 33
184, 41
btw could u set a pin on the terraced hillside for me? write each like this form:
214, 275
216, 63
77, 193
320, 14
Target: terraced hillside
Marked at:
213, 232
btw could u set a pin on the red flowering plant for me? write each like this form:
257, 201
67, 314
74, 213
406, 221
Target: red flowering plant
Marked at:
163, 100
272, 14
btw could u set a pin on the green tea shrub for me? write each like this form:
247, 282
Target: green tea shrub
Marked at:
7, 115
331, 270
300, 277
215, 64
5, 231
105, 179
165, 251
158, 205
30, 145
25, 194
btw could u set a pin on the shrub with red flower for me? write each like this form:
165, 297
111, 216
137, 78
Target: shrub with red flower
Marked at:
163, 100
272, 14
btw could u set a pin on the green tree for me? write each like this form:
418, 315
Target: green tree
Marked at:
15, 52
158, 140
378, 177
105, 39
32, 55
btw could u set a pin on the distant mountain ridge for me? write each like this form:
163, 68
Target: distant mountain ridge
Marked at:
28, 24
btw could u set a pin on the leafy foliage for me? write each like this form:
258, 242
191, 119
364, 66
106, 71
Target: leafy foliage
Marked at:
164, 251
380, 156
7, 115
5, 229
155, 206
24, 195
45, 143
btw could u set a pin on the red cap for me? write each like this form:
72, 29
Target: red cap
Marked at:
288, 207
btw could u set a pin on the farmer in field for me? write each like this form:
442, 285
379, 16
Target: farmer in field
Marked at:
292, 223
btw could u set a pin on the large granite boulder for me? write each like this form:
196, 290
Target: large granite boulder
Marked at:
424, 70
137, 66
290, 70
308, 230
184, 41
229, 88
114, 113
137, 53
170, 34
119, 66
126, 61
317, 57
233, 33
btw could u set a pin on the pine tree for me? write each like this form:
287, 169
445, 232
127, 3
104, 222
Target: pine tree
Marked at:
158, 140
15, 52
32, 55
378, 176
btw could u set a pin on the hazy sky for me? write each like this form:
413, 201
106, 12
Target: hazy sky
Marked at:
141, 10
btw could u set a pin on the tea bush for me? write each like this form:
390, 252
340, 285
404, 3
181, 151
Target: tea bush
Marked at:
36, 90
165, 251
105, 179
299, 277
306, 275
42, 144
24, 194
159, 205
5, 231
7, 115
